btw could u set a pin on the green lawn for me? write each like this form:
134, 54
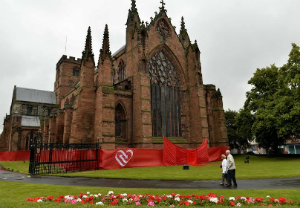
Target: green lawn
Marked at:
259, 167
14, 194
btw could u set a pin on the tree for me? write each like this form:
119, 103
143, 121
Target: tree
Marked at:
236, 140
271, 112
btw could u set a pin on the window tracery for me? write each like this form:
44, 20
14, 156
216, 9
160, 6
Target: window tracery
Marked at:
165, 97
162, 28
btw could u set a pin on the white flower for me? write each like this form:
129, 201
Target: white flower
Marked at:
96, 195
125, 200
268, 196
130, 199
100, 203
177, 195
39, 200
110, 192
238, 205
190, 201
88, 192
169, 196
123, 194
99, 194
231, 198
69, 197
214, 199
243, 198
177, 199
78, 200
84, 196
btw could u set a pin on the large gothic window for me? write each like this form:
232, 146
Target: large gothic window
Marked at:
165, 97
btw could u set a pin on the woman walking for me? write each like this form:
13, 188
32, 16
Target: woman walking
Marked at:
224, 169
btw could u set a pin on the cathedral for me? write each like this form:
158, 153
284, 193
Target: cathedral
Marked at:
151, 88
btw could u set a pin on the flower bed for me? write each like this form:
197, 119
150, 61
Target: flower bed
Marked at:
170, 200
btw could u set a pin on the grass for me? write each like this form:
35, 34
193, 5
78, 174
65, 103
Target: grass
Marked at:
14, 194
259, 167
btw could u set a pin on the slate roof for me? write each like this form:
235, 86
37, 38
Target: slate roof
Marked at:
30, 121
118, 51
36, 96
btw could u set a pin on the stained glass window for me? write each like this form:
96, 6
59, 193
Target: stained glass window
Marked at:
165, 97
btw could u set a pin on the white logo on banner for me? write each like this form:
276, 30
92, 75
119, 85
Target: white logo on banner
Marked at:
123, 157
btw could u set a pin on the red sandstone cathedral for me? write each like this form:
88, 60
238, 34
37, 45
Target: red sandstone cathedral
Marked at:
151, 88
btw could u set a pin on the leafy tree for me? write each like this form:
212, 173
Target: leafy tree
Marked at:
236, 140
271, 111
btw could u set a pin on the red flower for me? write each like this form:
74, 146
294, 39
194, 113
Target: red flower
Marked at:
29, 199
58, 200
282, 200
291, 202
270, 205
91, 202
232, 203
50, 198
258, 199
272, 199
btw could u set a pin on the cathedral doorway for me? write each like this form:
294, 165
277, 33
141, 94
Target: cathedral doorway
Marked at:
165, 97
120, 124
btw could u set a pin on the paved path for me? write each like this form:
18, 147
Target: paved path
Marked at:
282, 183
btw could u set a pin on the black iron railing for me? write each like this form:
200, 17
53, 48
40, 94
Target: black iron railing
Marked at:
58, 158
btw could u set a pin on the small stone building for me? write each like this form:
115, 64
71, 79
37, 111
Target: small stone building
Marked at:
150, 88
28, 107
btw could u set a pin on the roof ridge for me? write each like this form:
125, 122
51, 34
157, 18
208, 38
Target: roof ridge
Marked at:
33, 89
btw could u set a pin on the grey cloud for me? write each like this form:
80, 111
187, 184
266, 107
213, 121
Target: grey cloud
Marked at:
235, 37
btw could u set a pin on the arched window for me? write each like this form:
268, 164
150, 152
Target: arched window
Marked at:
120, 123
76, 71
165, 97
122, 72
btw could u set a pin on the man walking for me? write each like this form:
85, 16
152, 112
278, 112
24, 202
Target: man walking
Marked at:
230, 170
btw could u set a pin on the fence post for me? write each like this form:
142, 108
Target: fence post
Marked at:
97, 159
50, 157
32, 158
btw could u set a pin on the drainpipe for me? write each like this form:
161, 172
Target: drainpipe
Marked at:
132, 113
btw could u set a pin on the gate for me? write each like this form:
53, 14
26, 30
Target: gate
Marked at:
54, 158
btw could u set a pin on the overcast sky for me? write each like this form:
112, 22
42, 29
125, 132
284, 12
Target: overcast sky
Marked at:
235, 38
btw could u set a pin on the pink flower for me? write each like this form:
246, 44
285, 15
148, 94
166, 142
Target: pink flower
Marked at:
151, 203
67, 200
74, 201
138, 203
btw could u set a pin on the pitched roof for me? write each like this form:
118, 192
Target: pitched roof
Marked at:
36, 96
30, 121
118, 51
